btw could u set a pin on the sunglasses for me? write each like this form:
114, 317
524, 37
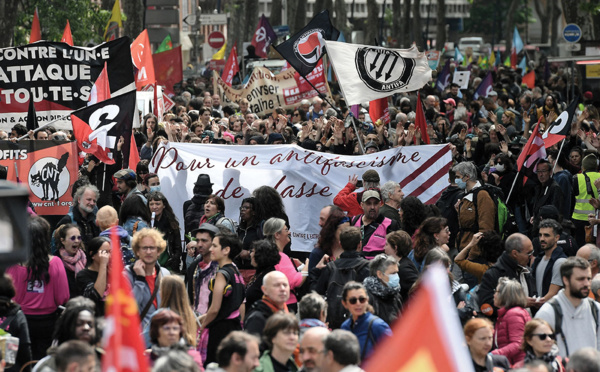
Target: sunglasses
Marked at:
353, 300
542, 336
73, 238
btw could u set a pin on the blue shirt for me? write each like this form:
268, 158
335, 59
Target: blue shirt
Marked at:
360, 328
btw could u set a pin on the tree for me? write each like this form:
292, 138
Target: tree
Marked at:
134, 9
372, 22
296, 15
250, 19
275, 17
86, 18
406, 24
582, 14
341, 18
440, 35
417, 25
488, 18
547, 12
397, 14
510, 22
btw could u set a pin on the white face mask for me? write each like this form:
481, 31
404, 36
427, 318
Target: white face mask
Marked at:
500, 167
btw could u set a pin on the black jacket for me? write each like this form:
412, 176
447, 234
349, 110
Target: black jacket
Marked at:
87, 225
386, 301
255, 320
15, 323
505, 266
446, 204
320, 277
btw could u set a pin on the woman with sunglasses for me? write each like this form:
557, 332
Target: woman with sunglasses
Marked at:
368, 328
479, 333
71, 252
539, 343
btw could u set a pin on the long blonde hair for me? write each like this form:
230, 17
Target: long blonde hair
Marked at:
174, 296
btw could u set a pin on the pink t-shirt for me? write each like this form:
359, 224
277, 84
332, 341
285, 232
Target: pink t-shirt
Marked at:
39, 298
286, 266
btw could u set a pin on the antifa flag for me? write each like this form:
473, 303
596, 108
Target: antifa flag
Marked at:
97, 128
59, 77
561, 127
305, 48
531, 154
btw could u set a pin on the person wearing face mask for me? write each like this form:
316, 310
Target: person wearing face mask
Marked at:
150, 183
473, 217
383, 288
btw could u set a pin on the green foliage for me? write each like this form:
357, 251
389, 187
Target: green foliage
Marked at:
87, 20
485, 12
592, 7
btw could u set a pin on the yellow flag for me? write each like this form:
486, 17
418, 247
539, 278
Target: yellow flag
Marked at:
221, 53
492, 62
114, 23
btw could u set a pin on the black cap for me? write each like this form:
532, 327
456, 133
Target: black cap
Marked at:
203, 180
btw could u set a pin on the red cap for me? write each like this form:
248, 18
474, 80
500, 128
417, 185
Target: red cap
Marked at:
450, 101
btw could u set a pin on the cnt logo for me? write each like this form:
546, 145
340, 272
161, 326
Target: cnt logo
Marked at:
49, 179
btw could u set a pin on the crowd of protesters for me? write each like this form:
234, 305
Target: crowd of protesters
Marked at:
524, 285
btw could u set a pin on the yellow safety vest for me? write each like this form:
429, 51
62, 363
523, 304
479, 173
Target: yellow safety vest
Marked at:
582, 199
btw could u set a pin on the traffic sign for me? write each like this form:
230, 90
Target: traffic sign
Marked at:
573, 47
216, 39
213, 19
572, 33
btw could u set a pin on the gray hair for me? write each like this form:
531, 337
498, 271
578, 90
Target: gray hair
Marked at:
380, 263
80, 191
595, 286
466, 168
586, 359
344, 346
401, 117
594, 253
387, 189
175, 360
271, 226
514, 243
510, 293
311, 306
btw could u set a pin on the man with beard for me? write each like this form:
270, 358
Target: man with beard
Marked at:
374, 226
83, 213
546, 266
573, 316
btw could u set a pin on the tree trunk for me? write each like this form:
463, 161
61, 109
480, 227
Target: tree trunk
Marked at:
251, 19
575, 14
417, 25
340, 20
372, 22
554, 17
397, 16
134, 9
406, 24
510, 23
321, 5
8, 21
440, 35
275, 18
544, 20
236, 28
297, 15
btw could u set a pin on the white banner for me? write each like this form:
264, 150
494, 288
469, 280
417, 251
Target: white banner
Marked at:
306, 180
366, 73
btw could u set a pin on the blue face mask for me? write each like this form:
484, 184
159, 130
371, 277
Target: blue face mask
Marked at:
460, 183
154, 188
394, 280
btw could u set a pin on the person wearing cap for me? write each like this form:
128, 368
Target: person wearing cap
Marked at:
566, 242
584, 189
193, 209
374, 226
127, 184
349, 200
450, 105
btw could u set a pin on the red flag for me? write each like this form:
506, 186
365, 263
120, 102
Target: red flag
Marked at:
529, 79
436, 343
531, 154
378, 109
36, 30
134, 155
263, 37
67, 36
231, 67
122, 341
420, 122
101, 88
141, 54
169, 68
97, 128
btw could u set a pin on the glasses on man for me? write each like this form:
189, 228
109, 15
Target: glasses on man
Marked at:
354, 300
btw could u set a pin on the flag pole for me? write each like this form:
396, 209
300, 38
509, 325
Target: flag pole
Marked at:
512, 187
45, 125
556, 161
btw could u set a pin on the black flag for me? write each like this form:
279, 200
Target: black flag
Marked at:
32, 122
304, 50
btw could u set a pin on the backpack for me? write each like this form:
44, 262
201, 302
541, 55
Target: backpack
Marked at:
336, 314
230, 221
558, 317
505, 222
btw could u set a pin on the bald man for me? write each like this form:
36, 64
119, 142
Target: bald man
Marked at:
591, 254
311, 349
276, 290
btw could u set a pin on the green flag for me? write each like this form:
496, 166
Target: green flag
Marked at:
167, 44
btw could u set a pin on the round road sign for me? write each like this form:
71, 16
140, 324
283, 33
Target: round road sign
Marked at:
216, 39
572, 33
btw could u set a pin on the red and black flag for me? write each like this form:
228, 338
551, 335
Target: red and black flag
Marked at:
561, 126
97, 128
304, 50
32, 122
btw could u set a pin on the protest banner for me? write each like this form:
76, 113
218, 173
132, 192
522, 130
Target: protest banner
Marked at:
306, 180
58, 77
266, 91
47, 168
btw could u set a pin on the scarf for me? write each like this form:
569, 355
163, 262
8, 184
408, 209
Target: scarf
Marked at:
74, 263
273, 306
551, 358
